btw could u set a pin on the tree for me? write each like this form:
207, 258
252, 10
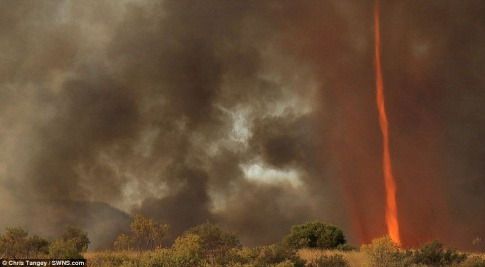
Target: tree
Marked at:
315, 235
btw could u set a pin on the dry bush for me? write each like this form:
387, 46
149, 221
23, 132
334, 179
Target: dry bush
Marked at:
383, 252
335, 260
71, 245
353, 258
147, 234
112, 259
474, 261
15, 243
216, 245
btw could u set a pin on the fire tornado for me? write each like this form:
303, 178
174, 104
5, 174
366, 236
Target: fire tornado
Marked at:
389, 182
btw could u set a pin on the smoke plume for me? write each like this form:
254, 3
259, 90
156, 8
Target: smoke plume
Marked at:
255, 115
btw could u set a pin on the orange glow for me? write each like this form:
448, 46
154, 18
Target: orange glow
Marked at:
389, 182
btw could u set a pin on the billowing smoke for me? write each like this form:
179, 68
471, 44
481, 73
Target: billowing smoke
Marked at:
255, 115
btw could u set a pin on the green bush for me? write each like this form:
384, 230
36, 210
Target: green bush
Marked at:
434, 254
383, 252
336, 260
315, 235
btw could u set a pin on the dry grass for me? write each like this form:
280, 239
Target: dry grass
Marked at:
130, 253
355, 258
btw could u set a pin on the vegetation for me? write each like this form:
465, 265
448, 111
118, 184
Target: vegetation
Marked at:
433, 254
315, 235
145, 234
336, 260
214, 242
308, 245
474, 261
203, 245
383, 252
16, 243
72, 243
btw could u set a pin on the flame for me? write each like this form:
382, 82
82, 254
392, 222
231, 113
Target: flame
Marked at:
389, 182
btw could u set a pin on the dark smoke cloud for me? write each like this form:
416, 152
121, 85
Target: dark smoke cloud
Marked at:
109, 108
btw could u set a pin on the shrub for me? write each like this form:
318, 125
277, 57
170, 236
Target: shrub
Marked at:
37, 246
71, 244
474, 261
434, 254
188, 245
123, 242
243, 256
213, 238
276, 254
383, 252
286, 263
345, 247
16, 243
108, 259
77, 236
64, 249
336, 260
160, 258
145, 234
315, 235
13, 244
215, 243
186, 254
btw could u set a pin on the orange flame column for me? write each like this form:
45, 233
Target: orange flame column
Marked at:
389, 182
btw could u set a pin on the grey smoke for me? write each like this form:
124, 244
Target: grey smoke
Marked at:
109, 108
